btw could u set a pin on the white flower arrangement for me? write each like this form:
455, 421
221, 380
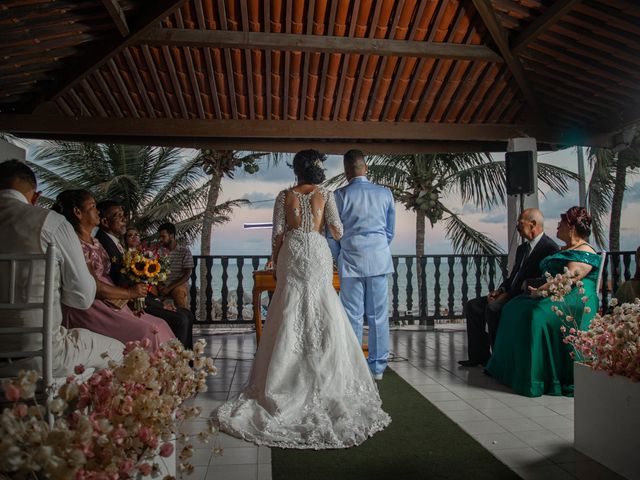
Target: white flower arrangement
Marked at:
113, 425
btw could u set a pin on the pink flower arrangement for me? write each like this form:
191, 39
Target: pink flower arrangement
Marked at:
114, 425
612, 342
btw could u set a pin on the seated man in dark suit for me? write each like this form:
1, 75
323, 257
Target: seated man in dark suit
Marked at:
484, 312
112, 228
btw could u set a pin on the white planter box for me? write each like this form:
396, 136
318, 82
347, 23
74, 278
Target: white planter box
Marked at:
607, 419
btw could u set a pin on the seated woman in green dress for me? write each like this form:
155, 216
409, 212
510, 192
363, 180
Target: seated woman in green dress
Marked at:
529, 354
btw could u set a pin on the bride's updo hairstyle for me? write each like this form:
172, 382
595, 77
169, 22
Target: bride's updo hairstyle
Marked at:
308, 166
578, 218
68, 201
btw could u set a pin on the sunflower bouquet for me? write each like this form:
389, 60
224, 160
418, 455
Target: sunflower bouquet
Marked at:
145, 265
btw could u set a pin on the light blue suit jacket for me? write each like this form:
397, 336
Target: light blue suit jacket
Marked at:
368, 215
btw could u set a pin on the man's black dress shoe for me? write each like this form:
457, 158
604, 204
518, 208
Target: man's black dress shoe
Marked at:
470, 363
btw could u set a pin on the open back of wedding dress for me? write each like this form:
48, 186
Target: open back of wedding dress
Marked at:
310, 386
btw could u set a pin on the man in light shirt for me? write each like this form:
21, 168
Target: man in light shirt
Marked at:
25, 228
483, 313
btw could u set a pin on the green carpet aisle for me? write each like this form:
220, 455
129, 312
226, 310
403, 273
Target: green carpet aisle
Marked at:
420, 443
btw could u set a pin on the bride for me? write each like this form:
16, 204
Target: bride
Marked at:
310, 386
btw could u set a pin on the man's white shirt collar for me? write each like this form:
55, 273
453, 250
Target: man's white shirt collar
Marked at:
533, 242
15, 194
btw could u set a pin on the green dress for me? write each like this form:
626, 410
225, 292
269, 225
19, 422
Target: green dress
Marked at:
529, 354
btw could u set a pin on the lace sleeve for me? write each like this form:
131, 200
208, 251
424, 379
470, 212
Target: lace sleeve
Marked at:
279, 225
331, 216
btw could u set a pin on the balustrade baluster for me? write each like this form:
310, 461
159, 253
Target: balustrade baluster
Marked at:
409, 263
436, 288
193, 291
255, 263
477, 260
225, 291
503, 267
492, 273
451, 289
423, 290
394, 291
240, 290
615, 271
465, 285
209, 289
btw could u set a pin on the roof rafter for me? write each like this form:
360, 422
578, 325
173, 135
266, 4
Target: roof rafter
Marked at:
100, 53
550, 16
316, 43
117, 15
501, 39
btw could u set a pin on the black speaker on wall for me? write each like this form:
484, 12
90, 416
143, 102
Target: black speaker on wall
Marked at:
520, 172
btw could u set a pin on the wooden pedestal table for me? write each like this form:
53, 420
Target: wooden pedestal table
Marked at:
264, 281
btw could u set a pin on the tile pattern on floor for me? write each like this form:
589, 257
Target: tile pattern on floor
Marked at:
533, 436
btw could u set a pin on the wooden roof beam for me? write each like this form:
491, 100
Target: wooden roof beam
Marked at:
317, 43
501, 39
281, 129
117, 15
536, 28
98, 53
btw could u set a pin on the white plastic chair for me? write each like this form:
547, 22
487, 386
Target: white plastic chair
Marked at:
21, 266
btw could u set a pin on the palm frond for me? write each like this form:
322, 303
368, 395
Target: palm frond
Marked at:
467, 240
600, 191
556, 178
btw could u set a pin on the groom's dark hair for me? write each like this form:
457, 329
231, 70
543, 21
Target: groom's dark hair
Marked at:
354, 161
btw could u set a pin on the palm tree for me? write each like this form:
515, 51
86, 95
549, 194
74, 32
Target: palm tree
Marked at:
154, 184
217, 164
607, 186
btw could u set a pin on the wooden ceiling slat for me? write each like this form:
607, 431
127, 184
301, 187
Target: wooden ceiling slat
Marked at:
111, 46
592, 54
208, 63
590, 38
513, 111
93, 98
478, 93
124, 91
327, 83
600, 106
191, 71
610, 16
177, 89
431, 67
227, 59
463, 93
106, 91
447, 75
586, 65
46, 45
499, 84
64, 106
267, 59
502, 104
156, 81
287, 61
550, 16
398, 89
346, 60
295, 61
84, 111
381, 85
368, 63
133, 68
597, 28
244, 14
311, 7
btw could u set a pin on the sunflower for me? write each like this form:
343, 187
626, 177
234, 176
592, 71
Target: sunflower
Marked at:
152, 269
138, 268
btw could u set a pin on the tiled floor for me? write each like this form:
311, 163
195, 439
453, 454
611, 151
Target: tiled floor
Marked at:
533, 436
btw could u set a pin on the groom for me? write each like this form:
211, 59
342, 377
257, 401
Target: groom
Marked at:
363, 256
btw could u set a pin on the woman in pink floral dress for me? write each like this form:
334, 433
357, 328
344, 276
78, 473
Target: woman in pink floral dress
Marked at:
109, 314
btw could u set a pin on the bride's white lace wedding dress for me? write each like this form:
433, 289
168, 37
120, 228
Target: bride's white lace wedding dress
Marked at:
310, 386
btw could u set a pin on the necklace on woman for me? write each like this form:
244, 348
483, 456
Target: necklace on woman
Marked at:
576, 246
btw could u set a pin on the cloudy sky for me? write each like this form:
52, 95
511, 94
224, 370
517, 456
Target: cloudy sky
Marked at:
262, 188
